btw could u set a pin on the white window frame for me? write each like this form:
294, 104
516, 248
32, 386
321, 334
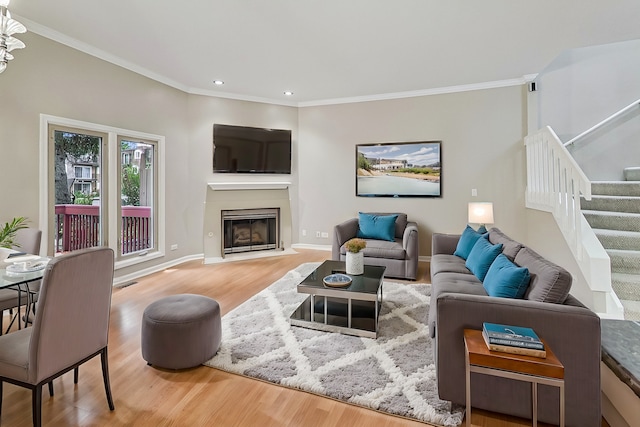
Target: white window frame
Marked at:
113, 155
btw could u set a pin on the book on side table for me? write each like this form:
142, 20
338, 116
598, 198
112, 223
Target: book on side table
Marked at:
513, 339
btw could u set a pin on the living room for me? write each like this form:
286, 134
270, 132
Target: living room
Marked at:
481, 125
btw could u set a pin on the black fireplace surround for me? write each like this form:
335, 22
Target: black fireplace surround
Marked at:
247, 230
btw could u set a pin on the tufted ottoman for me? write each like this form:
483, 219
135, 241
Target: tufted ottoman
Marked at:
181, 331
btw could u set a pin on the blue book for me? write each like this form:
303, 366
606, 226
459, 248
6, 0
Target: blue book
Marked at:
517, 335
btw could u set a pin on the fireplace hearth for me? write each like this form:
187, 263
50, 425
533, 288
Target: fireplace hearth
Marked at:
247, 230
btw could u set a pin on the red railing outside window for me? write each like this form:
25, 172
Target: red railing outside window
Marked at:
78, 227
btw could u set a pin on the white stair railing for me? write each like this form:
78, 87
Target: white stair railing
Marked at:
555, 184
633, 106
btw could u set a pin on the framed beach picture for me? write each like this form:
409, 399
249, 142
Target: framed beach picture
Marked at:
399, 169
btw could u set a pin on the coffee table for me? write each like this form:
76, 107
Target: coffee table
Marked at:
351, 310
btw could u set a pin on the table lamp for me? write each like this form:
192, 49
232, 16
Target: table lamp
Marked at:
481, 213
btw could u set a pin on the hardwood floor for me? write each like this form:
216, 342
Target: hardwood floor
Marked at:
201, 396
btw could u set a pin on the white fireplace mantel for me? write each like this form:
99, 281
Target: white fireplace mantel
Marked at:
268, 185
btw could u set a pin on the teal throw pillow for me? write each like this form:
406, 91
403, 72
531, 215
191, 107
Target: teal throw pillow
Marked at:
505, 279
380, 227
482, 256
468, 238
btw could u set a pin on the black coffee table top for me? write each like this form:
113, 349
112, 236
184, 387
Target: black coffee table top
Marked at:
368, 282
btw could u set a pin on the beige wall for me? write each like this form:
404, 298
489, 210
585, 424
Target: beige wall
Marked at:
482, 148
204, 111
481, 133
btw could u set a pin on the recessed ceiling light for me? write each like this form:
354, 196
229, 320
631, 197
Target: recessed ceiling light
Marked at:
218, 82
288, 92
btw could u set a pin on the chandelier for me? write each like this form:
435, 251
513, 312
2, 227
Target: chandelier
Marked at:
8, 27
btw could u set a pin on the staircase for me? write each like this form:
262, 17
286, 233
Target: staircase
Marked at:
614, 215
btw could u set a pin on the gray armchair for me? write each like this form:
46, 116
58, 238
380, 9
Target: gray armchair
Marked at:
400, 257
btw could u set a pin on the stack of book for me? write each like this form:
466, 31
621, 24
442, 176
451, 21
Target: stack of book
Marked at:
512, 339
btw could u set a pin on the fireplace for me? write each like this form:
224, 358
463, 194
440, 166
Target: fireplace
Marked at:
247, 230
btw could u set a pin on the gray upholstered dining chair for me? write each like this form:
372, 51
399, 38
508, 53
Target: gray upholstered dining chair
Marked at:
70, 327
26, 240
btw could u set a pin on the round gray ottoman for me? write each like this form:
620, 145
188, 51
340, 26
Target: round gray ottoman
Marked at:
181, 331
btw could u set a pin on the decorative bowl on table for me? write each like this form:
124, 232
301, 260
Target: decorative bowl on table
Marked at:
337, 280
25, 267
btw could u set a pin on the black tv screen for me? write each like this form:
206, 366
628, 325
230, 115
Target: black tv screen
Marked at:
241, 149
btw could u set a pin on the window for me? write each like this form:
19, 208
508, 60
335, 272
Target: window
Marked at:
83, 172
137, 196
117, 175
82, 187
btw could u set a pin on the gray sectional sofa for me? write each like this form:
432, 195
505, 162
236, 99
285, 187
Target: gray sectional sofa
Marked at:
459, 301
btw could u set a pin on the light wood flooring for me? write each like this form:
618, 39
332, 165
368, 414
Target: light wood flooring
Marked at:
202, 396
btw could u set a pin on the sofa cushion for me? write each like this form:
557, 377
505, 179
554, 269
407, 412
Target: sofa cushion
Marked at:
482, 256
505, 279
549, 282
373, 226
381, 249
384, 249
468, 238
442, 263
451, 282
509, 246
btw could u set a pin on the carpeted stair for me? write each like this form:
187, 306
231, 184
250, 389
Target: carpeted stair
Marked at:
614, 214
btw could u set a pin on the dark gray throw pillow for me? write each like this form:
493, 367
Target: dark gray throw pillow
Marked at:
549, 282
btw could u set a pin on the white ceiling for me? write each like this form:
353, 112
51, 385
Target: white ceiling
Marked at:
329, 50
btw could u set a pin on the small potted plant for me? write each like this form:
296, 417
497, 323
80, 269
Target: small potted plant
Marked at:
355, 257
8, 231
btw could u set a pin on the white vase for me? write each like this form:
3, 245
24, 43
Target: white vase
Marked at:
355, 263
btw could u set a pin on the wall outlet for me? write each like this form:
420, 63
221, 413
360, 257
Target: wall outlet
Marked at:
304, 233
174, 247
474, 192
325, 235
317, 234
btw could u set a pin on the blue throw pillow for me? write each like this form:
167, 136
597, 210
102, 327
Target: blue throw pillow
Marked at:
468, 238
505, 279
482, 256
380, 227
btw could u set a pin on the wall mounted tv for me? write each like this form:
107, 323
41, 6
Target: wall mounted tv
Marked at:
399, 169
241, 149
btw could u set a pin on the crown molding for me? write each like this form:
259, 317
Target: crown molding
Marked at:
93, 51
417, 93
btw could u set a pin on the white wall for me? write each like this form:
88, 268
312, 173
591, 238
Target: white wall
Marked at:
482, 147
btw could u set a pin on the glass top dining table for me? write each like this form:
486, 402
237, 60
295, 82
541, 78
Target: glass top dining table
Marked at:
19, 280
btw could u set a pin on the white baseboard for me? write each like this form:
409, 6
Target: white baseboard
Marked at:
127, 278
310, 246
248, 255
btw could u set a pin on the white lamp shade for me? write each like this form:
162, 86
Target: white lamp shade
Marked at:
481, 213
4, 3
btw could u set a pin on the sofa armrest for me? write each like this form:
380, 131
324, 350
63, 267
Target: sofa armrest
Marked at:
341, 233
410, 239
572, 332
444, 243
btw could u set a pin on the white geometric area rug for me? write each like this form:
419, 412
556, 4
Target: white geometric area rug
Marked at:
393, 373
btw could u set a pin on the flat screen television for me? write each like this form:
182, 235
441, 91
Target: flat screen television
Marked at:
241, 149
399, 169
